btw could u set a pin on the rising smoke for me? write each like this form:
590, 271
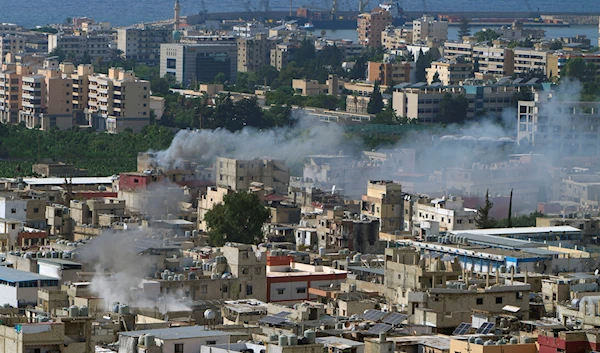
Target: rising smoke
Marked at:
120, 272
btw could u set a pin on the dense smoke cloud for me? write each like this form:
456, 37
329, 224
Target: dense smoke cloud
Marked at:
290, 144
120, 271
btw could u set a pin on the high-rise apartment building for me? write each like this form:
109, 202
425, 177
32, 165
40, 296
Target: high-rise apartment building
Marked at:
427, 27
370, 26
95, 45
253, 52
118, 101
11, 44
46, 100
10, 91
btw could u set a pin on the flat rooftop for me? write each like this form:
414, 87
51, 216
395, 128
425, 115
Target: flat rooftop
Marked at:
176, 333
515, 231
74, 181
14, 276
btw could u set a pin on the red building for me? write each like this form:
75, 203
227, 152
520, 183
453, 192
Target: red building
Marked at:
569, 342
137, 181
29, 237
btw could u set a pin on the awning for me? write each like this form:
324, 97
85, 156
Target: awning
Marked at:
511, 308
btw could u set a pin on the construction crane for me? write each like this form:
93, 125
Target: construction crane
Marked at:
203, 10
264, 6
246, 4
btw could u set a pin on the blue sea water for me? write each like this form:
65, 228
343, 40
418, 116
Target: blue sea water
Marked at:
123, 12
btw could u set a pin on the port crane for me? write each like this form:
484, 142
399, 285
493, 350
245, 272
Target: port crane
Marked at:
203, 10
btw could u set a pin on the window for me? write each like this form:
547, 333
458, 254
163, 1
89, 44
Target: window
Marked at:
13, 226
171, 63
249, 289
13, 210
203, 289
224, 289
178, 348
244, 255
257, 271
301, 290
36, 210
280, 290
479, 301
241, 178
498, 300
211, 342
519, 295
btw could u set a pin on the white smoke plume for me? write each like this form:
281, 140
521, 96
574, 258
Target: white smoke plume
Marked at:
120, 272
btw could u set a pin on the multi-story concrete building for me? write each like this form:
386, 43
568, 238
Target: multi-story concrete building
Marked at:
95, 45
450, 72
396, 38
493, 60
370, 26
142, 44
453, 49
558, 60
384, 201
118, 101
47, 101
570, 128
81, 85
427, 27
526, 60
422, 101
11, 44
192, 63
11, 92
388, 73
449, 214
307, 87
281, 55
253, 52
237, 174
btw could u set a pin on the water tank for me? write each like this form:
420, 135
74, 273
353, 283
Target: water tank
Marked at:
188, 234
191, 276
501, 342
310, 336
148, 340
54, 255
293, 340
526, 339
353, 288
382, 337
84, 311
170, 278
194, 233
180, 277
502, 269
489, 343
209, 314
479, 340
272, 337
141, 341
115, 307
283, 341
322, 251
214, 276
163, 276
472, 339
124, 309
575, 303
38, 255
73, 311
514, 340
357, 258
339, 326
517, 269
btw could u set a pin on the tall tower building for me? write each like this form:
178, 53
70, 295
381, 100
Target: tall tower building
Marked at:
176, 33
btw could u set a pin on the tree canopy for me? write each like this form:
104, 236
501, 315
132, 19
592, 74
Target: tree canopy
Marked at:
483, 219
465, 28
375, 104
238, 219
453, 110
486, 35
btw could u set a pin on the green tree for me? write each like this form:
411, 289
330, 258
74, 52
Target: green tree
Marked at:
579, 69
387, 116
423, 62
464, 28
238, 219
57, 51
436, 78
375, 104
483, 219
453, 110
556, 45
486, 35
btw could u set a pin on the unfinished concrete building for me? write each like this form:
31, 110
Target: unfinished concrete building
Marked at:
237, 174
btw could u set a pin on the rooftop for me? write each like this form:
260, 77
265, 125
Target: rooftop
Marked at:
518, 230
175, 333
14, 276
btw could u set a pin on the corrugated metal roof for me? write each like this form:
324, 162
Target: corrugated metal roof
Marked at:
519, 230
74, 181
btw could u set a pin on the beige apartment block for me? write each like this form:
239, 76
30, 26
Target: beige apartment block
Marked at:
253, 52
237, 174
10, 91
370, 26
118, 101
396, 38
427, 27
384, 201
12, 44
47, 101
450, 72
